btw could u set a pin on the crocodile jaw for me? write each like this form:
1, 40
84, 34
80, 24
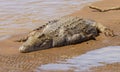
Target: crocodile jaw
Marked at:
22, 49
25, 49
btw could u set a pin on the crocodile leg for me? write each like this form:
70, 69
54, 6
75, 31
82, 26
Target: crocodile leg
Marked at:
23, 39
105, 30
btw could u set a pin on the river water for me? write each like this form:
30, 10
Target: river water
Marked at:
18, 16
95, 58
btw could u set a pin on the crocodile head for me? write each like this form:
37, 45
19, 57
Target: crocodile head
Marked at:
36, 42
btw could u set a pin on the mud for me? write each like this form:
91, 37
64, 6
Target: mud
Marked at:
95, 58
13, 61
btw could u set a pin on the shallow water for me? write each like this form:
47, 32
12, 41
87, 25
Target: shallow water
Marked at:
99, 57
21, 15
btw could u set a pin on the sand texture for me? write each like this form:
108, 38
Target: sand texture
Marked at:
13, 61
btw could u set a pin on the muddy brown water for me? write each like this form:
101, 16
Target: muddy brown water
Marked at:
18, 16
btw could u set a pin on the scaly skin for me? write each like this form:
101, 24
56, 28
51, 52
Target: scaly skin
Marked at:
36, 30
65, 31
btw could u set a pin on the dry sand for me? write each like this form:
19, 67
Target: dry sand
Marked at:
13, 61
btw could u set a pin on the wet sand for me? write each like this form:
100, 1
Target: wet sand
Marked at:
86, 61
13, 61
108, 68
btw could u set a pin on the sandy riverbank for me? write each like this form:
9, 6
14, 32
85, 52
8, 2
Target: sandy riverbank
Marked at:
12, 60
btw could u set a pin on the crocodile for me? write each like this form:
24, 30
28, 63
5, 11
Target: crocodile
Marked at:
61, 32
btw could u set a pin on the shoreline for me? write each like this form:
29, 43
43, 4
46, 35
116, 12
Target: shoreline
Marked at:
34, 13
110, 19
